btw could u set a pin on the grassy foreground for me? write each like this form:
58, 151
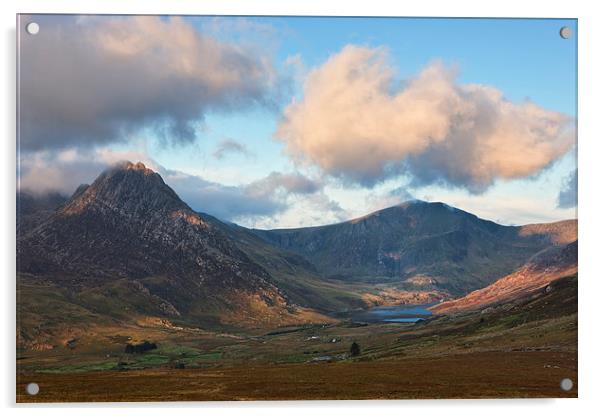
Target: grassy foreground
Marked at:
475, 375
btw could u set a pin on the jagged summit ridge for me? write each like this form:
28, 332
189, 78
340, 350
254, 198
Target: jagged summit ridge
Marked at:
127, 188
126, 165
134, 166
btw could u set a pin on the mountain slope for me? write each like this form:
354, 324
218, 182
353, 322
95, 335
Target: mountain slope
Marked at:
543, 268
418, 242
33, 209
294, 274
129, 234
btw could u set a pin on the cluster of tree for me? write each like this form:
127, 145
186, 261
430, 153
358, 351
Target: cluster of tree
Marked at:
140, 348
355, 349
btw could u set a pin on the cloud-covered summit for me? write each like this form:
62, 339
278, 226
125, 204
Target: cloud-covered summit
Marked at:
357, 122
267, 197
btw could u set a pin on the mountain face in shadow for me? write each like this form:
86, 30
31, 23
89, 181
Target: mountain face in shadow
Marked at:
32, 209
425, 243
129, 225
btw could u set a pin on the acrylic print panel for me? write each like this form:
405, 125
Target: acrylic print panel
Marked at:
295, 208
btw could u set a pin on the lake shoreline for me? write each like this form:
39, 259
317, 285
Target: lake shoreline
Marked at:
388, 314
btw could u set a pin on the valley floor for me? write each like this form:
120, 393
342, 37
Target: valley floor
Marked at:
518, 349
474, 375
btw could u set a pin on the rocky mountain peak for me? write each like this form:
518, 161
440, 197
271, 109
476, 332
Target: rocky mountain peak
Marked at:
130, 228
127, 188
138, 166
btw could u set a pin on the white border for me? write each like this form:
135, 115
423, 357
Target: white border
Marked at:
590, 232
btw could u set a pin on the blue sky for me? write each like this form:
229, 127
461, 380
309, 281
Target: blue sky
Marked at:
522, 57
260, 129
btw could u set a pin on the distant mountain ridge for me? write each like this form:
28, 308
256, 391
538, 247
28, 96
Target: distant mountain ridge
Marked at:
456, 249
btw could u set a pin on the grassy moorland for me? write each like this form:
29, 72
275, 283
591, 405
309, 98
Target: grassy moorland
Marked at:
518, 349
475, 375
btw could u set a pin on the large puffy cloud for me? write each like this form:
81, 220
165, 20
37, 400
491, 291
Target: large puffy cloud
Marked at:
356, 122
567, 197
96, 80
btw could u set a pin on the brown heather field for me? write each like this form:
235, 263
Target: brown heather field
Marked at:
473, 375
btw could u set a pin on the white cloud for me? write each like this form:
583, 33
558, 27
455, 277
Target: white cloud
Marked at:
567, 197
357, 123
377, 200
64, 170
94, 81
290, 183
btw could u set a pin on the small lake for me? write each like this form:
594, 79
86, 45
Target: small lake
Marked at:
391, 314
